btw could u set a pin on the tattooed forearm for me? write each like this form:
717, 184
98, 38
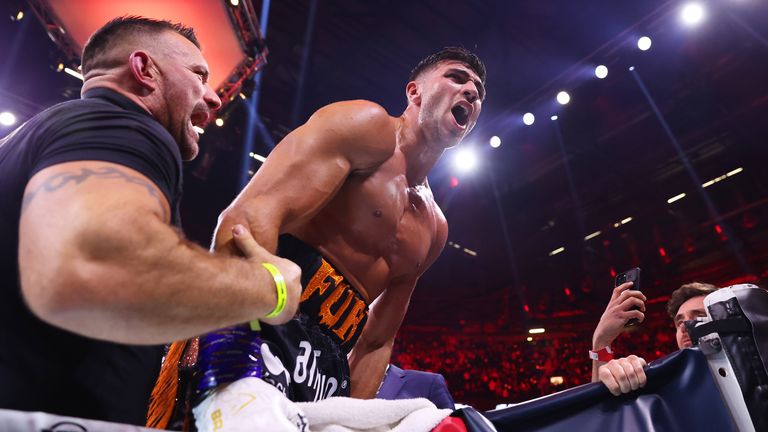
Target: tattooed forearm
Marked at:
60, 180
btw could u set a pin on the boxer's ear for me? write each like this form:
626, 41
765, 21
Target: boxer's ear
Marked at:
413, 93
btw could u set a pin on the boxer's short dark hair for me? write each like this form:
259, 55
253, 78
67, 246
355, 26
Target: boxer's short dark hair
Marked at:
451, 53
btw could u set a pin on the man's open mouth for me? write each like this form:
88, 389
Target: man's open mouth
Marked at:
200, 119
461, 114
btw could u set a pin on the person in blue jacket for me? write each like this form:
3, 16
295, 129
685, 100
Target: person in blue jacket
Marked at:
409, 384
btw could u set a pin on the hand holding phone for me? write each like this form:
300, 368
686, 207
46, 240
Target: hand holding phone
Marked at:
633, 276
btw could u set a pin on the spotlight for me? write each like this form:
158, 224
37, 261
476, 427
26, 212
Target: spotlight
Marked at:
601, 71
18, 16
692, 14
528, 119
7, 118
234, 3
563, 98
465, 160
644, 43
553, 118
219, 122
495, 141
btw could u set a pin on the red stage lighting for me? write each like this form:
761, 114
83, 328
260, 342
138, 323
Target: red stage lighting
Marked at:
719, 231
229, 35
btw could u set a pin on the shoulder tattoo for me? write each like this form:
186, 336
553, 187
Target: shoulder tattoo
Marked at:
57, 181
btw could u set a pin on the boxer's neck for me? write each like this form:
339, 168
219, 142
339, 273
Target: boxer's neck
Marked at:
420, 154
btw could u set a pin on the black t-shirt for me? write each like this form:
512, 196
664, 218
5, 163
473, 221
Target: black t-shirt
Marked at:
44, 368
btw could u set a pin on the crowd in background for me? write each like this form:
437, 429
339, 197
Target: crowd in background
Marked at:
484, 370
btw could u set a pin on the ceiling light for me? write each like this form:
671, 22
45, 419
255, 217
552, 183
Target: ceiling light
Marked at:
563, 98
601, 71
465, 160
495, 141
7, 118
528, 118
593, 235
676, 198
692, 14
644, 43
74, 73
557, 251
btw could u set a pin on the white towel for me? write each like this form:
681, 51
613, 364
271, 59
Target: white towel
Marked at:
343, 414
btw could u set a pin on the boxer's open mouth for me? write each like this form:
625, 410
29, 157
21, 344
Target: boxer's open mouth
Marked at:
461, 114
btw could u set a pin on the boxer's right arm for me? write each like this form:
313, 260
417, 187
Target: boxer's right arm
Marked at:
97, 257
306, 170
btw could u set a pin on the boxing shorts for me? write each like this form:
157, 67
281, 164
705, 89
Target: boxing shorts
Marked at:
306, 358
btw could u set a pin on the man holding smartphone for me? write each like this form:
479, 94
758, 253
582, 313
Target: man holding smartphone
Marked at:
625, 374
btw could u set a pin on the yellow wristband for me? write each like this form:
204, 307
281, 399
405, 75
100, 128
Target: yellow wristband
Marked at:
282, 296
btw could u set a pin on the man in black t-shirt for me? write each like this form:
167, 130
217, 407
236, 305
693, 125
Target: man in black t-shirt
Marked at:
94, 274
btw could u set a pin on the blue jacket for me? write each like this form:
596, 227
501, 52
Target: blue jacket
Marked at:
409, 384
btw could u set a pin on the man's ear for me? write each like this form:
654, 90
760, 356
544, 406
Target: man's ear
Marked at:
413, 93
143, 70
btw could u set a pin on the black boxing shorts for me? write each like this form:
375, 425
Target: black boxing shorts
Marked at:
306, 358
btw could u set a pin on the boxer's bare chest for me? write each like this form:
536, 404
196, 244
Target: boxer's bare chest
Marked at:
378, 228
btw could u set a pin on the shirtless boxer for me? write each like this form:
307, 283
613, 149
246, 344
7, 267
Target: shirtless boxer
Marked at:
346, 197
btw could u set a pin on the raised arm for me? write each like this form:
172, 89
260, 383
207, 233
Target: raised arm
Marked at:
97, 257
616, 315
306, 170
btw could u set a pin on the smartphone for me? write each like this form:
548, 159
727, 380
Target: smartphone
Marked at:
632, 275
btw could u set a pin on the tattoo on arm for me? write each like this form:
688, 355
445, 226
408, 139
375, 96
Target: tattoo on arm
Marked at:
60, 180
